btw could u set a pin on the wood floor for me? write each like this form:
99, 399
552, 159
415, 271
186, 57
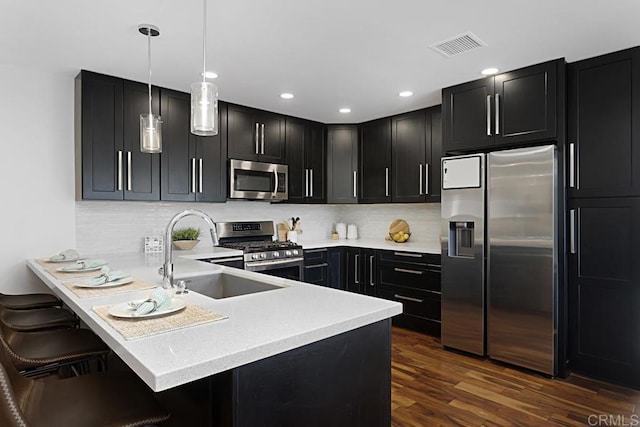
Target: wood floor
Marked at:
434, 387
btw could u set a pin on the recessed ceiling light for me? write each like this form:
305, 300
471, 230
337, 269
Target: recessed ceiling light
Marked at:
345, 110
405, 93
489, 71
210, 75
286, 95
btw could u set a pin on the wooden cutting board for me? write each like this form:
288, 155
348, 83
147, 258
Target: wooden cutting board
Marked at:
398, 225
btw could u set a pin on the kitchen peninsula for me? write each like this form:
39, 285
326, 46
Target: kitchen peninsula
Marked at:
300, 352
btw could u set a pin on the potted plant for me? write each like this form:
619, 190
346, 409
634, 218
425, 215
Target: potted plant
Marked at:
185, 238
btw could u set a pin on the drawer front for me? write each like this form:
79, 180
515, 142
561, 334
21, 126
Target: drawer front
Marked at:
409, 277
418, 304
430, 261
316, 274
315, 256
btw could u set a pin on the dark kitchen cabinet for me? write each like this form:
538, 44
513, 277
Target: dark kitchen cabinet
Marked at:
306, 157
416, 149
110, 165
193, 168
604, 296
342, 164
375, 161
510, 109
412, 279
255, 135
323, 266
360, 271
604, 125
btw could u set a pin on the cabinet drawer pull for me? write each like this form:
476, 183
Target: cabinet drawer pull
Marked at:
409, 254
434, 265
426, 178
315, 251
386, 182
488, 115
257, 137
119, 178
371, 281
262, 142
355, 184
572, 165
497, 114
356, 276
200, 175
404, 270
420, 301
193, 175
420, 179
128, 170
317, 265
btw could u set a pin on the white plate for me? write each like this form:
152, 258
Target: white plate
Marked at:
115, 283
125, 310
64, 260
74, 269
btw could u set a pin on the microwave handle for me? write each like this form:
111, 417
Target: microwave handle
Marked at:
275, 187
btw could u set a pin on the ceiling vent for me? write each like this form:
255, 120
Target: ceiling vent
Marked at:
458, 44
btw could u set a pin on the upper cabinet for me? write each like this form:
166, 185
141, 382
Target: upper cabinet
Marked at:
109, 163
604, 126
255, 135
193, 167
416, 149
509, 109
342, 164
306, 158
375, 161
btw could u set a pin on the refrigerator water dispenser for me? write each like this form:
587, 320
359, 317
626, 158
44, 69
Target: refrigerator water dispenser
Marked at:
461, 238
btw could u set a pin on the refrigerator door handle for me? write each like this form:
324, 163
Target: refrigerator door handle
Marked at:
572, 231
572, 165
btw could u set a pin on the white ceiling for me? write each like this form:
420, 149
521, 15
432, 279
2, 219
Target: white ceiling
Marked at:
329, 53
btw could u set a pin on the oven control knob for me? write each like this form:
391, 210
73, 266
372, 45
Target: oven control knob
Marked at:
287, 253
276, 254
295, 252
263, 255
254, 256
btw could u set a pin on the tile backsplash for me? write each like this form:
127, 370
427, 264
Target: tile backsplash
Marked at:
119, 227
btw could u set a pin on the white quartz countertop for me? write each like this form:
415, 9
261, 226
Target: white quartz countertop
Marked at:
430, 247
259, 325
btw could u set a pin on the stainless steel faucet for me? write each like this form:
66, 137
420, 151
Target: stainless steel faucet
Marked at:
167, 269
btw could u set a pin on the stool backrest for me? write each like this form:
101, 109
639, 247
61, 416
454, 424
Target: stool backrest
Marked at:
13, 390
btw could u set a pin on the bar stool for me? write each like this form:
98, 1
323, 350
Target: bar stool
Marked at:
38, 319
29, 301
105, 398
37, 353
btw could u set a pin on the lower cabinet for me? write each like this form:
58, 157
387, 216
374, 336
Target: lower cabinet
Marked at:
359, 271
412, 279
323, 267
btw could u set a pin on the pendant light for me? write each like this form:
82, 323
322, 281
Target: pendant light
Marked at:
150, 124
204, 95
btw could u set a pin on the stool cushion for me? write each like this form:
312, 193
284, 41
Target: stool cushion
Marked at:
38, 319
29, 301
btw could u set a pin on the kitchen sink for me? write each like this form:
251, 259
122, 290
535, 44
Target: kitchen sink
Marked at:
224, 285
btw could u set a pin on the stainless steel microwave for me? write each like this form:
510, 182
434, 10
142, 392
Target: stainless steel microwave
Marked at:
258, 181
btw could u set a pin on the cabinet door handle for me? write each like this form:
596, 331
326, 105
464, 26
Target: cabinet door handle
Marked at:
408, 254
371, 282
488, 115
306, 183
572, 230
193, 175
119, 179
420, 178
497, 114
317, 266
396, 296
311, 183
426, 178
386, 182
356, 276
355, 184
200, 175
257, 137
262, 138
572, 165
128, 170
405, 270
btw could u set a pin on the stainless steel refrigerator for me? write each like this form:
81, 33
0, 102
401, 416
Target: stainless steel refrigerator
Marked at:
500, 255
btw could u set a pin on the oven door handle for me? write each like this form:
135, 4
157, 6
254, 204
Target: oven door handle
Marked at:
272, 262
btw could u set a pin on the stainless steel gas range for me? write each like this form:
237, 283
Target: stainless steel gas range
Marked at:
260, 252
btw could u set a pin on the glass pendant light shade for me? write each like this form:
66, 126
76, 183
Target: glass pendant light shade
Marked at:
150, 133
204, 109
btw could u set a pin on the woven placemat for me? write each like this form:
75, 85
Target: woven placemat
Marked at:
136, 285
131, 329
52, 267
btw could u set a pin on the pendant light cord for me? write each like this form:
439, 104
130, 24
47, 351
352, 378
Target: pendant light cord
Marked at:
204, 42
149, 64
